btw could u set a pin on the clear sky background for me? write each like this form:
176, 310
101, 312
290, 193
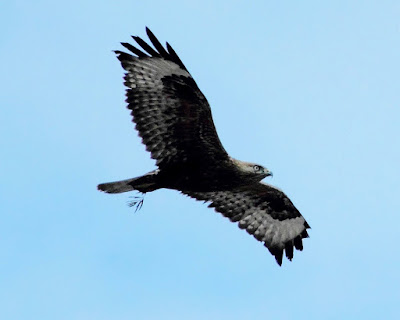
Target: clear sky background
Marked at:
310, 89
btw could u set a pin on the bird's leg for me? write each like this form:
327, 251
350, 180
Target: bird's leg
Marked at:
137, 202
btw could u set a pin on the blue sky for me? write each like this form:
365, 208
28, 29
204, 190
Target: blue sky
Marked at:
310, 90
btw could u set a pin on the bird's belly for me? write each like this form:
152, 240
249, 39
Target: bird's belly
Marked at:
201, 180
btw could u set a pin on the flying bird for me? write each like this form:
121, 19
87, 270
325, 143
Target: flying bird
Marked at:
174, 120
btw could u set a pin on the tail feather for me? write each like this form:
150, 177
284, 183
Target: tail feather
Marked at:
143, 184
117, 186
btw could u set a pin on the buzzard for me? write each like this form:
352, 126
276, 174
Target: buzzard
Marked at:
174, 120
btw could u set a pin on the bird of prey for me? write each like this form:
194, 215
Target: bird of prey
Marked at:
174, 120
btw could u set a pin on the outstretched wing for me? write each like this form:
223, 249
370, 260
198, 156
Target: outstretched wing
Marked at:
265, 212
171, 114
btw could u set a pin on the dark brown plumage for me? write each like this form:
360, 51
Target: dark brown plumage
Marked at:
174, 120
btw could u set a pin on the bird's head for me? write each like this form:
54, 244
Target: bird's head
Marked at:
255, 171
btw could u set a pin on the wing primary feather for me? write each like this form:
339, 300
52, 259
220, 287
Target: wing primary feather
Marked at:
298, 243
146, 47
278, 257
175, 57
277, 253
135, 50
157, 44
304, 234
123, 56
289, 250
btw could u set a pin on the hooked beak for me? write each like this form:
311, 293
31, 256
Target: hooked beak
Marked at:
268, 173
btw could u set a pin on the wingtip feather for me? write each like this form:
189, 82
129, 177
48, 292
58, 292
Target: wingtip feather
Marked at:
277, 253
298, 243
304, 234
289, 250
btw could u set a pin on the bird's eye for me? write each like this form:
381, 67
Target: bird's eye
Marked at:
256, 168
